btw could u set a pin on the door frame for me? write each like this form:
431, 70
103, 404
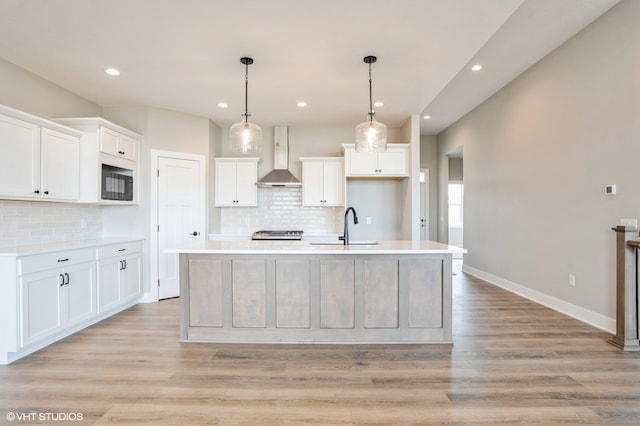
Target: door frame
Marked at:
156, 154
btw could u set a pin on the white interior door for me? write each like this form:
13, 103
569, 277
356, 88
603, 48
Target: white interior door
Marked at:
181, 216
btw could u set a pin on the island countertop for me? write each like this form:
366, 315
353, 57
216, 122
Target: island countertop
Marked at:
306, 247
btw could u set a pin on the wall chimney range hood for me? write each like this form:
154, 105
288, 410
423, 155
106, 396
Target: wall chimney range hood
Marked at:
280, 176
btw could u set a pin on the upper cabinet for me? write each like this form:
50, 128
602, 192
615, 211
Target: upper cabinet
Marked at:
106, 148
40, 159
322, 181
394, 162
236, 182
118, 144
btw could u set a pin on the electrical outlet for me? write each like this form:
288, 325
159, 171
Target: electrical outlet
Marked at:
572, 280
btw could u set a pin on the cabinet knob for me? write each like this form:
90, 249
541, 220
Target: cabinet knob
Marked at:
195, 233
46, 192
37, 191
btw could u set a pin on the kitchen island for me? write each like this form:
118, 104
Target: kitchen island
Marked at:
298, 292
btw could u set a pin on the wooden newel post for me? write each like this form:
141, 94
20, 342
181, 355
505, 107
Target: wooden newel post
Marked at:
627, 336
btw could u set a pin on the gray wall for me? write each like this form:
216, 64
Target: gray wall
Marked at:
537, 156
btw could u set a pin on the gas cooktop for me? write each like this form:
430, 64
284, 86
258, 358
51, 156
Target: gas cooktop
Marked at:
277, 235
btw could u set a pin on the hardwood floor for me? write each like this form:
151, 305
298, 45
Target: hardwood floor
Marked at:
513, 362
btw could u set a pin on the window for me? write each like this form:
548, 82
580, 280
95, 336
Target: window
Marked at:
456, 195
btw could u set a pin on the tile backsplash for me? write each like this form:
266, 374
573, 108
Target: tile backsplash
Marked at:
24, 223
281, 208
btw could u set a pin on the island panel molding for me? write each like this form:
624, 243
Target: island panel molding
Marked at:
293, 292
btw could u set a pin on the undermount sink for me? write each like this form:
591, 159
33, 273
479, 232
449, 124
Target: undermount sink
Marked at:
339, 243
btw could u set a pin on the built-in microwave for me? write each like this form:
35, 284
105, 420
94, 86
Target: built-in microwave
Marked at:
117, 183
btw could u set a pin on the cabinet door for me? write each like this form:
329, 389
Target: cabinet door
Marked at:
108, 284
40, 295
108, 141
20, 159
225, 184
333, 180
60, 166
363, 163
130, 278
79, 299
312, 183
128, 147
246, 189
393, 162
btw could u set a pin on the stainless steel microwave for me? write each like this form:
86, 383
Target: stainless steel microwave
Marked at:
117, 183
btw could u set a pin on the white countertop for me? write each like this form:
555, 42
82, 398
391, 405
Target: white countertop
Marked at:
304, 247
29, 249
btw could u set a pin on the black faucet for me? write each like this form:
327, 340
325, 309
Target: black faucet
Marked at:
345, 236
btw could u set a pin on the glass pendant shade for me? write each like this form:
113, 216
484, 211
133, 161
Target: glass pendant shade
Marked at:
245, 138
371, 136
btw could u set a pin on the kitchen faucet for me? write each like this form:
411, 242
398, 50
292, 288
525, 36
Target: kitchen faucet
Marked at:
345, 235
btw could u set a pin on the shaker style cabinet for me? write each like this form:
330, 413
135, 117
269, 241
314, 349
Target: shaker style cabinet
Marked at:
119, 274
105, 147
40, 159
57, 291
394, 162
236, 182
322, 181
48, 295
118, 144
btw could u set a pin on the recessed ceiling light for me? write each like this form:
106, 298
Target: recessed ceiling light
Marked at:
476, 67
222, 104
302, 104
112, 71
378, 104
427, 117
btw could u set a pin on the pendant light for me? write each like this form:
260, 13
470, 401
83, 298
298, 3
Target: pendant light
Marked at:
245, 137
371, 136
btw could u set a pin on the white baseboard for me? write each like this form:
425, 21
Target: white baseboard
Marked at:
589, 317
148, 297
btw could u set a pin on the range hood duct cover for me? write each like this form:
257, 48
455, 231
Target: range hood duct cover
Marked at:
280, 176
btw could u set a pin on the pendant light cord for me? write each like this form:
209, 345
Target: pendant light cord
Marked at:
246, 92
371, 112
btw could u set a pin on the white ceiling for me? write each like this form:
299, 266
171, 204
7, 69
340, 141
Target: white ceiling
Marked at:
184, 55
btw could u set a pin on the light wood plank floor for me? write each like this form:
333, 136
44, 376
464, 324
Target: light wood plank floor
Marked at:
513, 362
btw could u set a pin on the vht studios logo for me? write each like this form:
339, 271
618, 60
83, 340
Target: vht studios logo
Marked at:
44, 417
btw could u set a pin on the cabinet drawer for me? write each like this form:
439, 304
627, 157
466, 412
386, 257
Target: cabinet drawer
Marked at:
114, 250
58, 259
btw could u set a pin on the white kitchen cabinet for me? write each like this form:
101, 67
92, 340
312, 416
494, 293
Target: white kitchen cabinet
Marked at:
119, 274
394, 162
118, 144
104, 143
322, 181
49, 294
40, 159
56, 292
236, 182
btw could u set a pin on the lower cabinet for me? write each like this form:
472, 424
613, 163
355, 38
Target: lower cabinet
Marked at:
119, 274
56, 299
47, 296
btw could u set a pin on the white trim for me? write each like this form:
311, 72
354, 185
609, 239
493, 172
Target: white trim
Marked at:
156, 154
589, 317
